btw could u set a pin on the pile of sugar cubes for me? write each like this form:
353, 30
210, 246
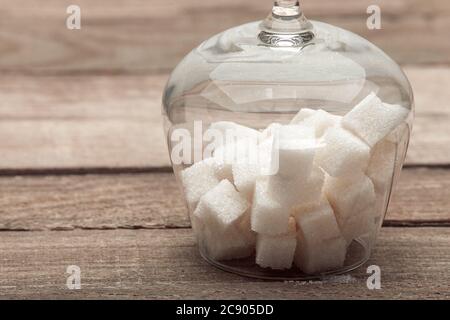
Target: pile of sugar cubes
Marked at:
330, 183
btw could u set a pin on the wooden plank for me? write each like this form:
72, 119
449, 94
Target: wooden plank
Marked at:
92, 201
153, 200
165, 264
150, 36
77, 122
115, 121
430, 138
421, 195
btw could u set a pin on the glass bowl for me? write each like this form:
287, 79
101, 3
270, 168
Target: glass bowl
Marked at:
286, 137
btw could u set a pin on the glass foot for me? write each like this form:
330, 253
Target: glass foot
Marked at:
357, 254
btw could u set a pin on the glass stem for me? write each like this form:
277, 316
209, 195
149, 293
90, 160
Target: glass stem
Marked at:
288, 9
286, 25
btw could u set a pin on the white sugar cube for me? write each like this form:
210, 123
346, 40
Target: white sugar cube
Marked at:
227, 245
343, 153
265, 149
321, 121
244, 151
285, 191
317, 222
277, 252
269, 131
198, 179
372, 119
267, 215
245, 174
244, 227
221, 212
326, 256
221, 207
296, 147
320, 245
381, 165
359, 225
302, 115
238, 241
353, 202
268, 157
311, 191
296, 191
256, 162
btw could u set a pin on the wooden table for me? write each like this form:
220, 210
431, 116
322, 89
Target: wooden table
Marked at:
85, 178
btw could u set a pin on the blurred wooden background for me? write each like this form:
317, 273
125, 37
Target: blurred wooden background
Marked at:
82, 150
137, 36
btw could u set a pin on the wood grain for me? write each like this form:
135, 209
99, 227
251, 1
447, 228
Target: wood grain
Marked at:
93, 106
152, 36
153, 200
115, 121
76, 122
165, 264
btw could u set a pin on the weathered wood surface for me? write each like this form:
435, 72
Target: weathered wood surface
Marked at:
93, 106
165, 264
61, 122
153, 200
115, 121
148, 36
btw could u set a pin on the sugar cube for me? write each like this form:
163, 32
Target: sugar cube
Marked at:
268, 157
296, 147
312, 188
245, 174
221, 207
358, 225
353, 201
199, 179
320, 245
244, 151
285, 191
372, 119
343, 153
269, 131
226, 245
302, 115
321, 121
381, 165
222, 213
326, 256
238, 241
267, 215
296, 191
317, 222
245, 229
277, 252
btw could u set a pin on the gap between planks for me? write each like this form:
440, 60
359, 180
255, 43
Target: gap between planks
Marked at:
139, 170
154, 201
117, 122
